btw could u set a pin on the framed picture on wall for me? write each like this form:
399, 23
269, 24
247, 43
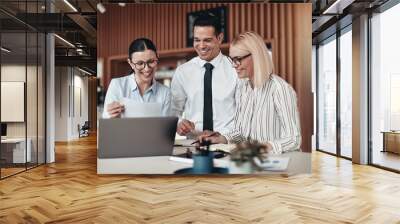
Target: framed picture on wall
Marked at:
219, 12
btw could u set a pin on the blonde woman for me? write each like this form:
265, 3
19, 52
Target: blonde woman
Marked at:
266, 105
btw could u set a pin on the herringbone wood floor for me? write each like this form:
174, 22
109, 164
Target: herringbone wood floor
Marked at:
70, 191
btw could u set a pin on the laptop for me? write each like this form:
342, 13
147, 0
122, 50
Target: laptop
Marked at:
136, 137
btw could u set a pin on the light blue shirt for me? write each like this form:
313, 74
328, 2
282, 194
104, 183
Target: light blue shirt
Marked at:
126, 87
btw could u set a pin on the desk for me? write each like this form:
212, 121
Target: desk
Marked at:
300, 162
13, 150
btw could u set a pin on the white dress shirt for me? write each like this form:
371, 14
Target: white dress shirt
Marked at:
126, 87
267, 114
187, 89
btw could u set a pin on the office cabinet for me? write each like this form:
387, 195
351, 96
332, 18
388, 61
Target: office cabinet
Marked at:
391, 142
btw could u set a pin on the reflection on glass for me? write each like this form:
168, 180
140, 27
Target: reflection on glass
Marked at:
346, 94
385, 84
327, 96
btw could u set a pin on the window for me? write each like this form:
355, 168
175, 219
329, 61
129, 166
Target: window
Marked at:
346, 93
385, 84
326, 139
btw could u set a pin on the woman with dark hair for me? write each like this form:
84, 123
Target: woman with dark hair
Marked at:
139, 86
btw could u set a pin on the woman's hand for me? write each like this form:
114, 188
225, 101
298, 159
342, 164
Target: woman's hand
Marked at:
212, 137
115, 109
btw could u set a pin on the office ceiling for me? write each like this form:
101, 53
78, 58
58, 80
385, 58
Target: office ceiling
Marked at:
76, 20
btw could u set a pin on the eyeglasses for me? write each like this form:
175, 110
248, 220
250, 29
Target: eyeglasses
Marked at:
140, 65
237, 61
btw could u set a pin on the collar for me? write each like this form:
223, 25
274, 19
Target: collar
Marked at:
217, 60
134, 86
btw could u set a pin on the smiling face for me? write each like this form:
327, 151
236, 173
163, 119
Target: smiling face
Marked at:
244, 65
144, 63
206, 43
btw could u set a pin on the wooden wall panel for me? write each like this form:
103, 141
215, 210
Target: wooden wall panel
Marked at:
92, 103
287, 25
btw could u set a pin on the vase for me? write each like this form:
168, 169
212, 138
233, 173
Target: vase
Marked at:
203, 163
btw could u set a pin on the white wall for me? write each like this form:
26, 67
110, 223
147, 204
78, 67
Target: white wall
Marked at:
17, 73
71, 93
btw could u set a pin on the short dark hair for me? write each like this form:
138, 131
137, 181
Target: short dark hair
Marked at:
208, 19
140, 45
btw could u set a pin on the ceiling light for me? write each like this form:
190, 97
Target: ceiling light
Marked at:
84, 71
101, 7
337, 7
70, 5
65, 41
122, 4
5, 50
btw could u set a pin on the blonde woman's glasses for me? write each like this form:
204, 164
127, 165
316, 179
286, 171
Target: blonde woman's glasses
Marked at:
237, 61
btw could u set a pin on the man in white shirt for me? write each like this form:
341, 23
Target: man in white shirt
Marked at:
203, 89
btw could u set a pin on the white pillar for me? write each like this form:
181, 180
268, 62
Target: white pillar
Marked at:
50, 92
50, 100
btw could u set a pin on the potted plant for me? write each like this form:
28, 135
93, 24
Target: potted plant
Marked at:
244, 155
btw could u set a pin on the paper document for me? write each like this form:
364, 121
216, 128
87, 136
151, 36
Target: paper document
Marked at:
137, 109
223, 147
274, 163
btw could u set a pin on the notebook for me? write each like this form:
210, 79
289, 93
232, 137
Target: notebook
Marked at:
274, 163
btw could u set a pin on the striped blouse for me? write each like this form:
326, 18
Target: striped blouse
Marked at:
267, 114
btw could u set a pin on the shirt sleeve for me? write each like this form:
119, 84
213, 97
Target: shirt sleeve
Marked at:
235, 135
166, 109
111, 96
178, 95
285, 102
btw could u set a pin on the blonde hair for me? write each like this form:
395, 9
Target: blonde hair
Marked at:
262, 61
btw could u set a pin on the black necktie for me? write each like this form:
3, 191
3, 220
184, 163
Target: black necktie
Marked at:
208, 110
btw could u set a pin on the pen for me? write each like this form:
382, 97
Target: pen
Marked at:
213, 134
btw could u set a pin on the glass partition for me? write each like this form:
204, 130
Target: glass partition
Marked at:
13, 105
22, 90
31, 98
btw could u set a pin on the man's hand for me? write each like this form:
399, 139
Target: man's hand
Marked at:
115, 109
185, 126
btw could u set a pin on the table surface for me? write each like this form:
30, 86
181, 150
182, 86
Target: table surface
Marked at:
300, 162
391, 132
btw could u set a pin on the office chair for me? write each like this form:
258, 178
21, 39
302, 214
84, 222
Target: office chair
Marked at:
84, 130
